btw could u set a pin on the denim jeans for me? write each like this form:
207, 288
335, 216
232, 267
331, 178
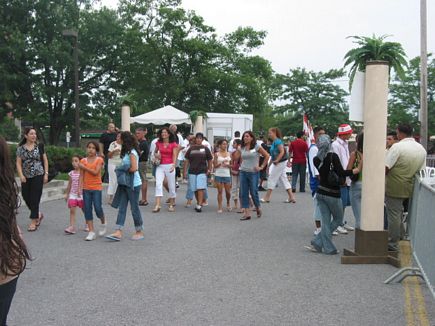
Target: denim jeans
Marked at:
301, 171
328, 206
127, 195
355, 201
249, 185
93, 198
190, 194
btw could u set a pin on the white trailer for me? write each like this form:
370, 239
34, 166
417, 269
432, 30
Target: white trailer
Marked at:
223, 125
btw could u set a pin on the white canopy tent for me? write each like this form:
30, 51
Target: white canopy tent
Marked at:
164, 115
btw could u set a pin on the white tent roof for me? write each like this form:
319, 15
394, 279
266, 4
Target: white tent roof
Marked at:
166, 114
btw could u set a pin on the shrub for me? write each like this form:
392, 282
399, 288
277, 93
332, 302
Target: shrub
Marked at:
9, 130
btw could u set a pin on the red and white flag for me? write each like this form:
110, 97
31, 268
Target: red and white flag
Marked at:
308, 130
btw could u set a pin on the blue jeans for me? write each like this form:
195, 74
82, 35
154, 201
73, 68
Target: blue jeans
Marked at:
249, 185
355, 200
190, 193
328, 206
93, 198
301, 171
126, 195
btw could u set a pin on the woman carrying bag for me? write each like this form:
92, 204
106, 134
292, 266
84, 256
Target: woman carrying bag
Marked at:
129, 186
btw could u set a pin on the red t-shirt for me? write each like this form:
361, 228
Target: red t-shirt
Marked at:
299, 148
167, 153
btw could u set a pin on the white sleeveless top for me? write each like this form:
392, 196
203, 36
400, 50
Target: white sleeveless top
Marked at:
221, 171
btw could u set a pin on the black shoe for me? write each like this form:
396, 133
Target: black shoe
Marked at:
261, 189
301, 190
293, 190
198, 209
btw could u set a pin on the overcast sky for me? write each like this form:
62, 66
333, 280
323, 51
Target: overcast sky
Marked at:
312, 33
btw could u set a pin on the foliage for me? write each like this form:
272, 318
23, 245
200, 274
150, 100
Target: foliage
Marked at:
9, 130
404, 102
375, 49
59, 157
312, 93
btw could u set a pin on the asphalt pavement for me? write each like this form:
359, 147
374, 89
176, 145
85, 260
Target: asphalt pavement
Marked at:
201, 269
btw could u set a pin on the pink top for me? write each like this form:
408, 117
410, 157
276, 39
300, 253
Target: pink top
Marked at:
167, 153
75, 181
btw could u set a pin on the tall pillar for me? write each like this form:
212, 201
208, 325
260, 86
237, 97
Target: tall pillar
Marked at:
125, 117
375, 128
199, 124
371, 241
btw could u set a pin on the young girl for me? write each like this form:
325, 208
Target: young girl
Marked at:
90, 176
73, 194
222, 165
235, 173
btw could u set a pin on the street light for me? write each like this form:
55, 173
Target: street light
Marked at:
75, 36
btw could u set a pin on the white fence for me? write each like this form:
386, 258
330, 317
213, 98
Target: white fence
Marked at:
421, 230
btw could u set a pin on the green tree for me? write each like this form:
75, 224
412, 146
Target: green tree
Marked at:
373, 49
312, 93
404, 102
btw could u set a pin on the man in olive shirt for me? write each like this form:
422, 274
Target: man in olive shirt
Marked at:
403, 161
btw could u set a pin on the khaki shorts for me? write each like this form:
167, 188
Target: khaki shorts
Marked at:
143, 171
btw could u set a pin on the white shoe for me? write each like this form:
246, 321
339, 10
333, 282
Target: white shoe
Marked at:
348, 227
317, 231
335, 232
103, 229
342, 230
91, 236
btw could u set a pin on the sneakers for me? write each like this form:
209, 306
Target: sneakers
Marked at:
103, 229
91, 236
334, 232
317, 231
341, 230
198, 209
311, 248
348, 227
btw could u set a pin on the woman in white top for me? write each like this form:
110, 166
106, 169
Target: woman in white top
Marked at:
222, 166
114, 160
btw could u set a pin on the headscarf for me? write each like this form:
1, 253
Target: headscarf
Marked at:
324, 145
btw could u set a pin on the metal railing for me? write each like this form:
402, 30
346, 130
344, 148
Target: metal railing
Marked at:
421, 230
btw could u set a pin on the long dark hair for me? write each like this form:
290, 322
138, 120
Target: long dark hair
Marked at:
25, 133
13, 250
171, 135
129, 142
253, 142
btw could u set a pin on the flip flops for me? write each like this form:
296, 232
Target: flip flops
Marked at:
113, 237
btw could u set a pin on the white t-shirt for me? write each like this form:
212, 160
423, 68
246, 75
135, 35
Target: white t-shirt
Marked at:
230, 145
312, 153
153, 148
341, 148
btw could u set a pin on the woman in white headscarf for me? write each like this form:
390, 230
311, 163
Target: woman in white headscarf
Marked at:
332, 176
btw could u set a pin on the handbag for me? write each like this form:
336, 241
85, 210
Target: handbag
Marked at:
123, 177
355, 177
333, 178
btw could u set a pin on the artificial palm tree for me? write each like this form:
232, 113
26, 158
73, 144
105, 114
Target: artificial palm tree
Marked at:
375, 49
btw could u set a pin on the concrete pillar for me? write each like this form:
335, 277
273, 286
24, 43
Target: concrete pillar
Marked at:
375, 129
125, 117
199, 125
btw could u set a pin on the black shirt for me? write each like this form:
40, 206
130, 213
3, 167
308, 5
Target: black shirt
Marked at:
198, 156
106, 139
326, 188
144, 150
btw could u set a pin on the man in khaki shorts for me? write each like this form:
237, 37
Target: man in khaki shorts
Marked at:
144, 152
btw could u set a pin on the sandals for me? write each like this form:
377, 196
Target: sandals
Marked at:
40, 218
171, 208
259, 213
245, 218
143, 203
265, 201
290, 201
156, 209
32, 228
113, 237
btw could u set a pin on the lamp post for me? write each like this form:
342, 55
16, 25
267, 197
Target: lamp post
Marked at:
75, 36
423, 74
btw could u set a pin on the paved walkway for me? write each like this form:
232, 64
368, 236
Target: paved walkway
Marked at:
201, 269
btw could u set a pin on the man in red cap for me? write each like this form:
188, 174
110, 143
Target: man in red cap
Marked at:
341, 147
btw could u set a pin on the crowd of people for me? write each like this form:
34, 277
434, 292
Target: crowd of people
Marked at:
238, 168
